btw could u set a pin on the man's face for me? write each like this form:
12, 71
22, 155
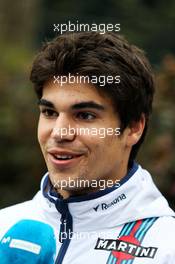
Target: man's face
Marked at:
80, 156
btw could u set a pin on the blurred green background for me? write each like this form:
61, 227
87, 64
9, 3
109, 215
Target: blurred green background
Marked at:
24, 25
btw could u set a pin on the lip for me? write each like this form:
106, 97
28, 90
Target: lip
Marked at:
61, 164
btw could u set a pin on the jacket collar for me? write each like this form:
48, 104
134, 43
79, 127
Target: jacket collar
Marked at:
136, 198
50, 193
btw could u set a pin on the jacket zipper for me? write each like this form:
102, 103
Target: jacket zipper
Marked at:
64, 236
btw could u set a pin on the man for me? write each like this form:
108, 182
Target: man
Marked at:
96, 204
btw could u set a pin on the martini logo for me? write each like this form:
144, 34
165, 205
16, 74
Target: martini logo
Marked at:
127, 247
105, 206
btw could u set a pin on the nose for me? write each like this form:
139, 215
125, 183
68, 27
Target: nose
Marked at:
62, 129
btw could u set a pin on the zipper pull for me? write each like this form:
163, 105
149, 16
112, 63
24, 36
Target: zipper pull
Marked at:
63, 233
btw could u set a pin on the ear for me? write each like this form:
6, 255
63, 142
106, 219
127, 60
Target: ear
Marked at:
135, 131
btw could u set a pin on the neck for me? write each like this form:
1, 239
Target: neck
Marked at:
100, 184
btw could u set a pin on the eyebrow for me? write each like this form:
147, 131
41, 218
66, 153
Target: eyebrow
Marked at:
44, 102
81, 105
88, 104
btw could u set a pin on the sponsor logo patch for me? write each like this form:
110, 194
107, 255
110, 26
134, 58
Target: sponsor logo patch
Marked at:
126, 246
105, 206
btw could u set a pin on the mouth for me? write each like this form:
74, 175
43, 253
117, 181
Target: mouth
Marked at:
63, 159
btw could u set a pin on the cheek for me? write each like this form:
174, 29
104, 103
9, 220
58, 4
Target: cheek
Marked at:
113, 147
93, 143
43, 132
99, 148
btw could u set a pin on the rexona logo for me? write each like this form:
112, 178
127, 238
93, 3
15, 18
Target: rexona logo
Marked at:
105, 206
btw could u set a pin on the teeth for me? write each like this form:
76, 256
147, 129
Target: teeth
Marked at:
63, 156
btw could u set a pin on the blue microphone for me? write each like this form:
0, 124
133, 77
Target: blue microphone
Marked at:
29, 242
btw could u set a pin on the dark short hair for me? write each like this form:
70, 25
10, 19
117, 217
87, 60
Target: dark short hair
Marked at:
92, 53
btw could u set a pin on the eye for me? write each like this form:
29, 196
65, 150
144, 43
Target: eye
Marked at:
49, 112
85, 116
